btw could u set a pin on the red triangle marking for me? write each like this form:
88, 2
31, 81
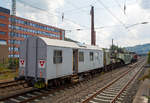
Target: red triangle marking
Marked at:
22, 62
42, 63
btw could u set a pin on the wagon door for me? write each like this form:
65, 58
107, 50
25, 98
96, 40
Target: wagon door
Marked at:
31, 55
75, 61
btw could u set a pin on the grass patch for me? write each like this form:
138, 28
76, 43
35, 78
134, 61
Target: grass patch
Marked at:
8, 75
146, 76
4, 67
5, 70
102, 73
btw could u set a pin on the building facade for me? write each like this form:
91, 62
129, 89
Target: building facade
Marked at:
23, 28
4, 23
3, 53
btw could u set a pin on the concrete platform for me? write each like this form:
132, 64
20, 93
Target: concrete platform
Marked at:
143, 92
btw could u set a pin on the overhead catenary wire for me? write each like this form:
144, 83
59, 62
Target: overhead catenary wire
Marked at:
123, 10
115, 17
59, 16
51, 14
96, 28
100, 2
76, 7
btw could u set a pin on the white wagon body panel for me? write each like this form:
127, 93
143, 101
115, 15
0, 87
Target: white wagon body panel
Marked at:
87, 65
61, 69
32, 51
43, 50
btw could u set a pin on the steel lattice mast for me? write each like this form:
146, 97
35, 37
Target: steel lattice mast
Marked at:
13, 26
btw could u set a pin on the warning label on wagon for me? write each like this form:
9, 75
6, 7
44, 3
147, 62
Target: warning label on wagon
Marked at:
22, 63
42, 63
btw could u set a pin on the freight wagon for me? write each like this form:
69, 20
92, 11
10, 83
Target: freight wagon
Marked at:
45, 62
44, 59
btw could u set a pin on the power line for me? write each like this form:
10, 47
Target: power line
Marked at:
120, 7
44, 10
96, 28
100, 2
114, 16
76, 7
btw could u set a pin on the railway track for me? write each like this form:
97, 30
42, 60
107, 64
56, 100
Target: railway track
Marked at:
11, 83
37, 95
114, 90
99, 83
30, 95
10, 88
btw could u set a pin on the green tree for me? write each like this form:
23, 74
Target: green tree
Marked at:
148, 59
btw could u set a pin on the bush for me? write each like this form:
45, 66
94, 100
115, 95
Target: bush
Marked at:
148, 59
147, 76
13, 63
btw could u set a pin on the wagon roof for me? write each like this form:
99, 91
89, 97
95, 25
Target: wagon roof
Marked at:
62, 43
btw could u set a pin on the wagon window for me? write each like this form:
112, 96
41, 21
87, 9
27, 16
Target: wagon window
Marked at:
81, 56
96, 55
57, 58
91, 56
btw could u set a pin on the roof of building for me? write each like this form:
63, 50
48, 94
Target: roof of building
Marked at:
62, 43
36, 22
4, 10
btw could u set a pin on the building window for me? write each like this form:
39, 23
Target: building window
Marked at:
10, 56
2, 25
16, 56
91, 56
57, 57
16, 49
81, 56
12, 19
3, 33
3, 42
2, 17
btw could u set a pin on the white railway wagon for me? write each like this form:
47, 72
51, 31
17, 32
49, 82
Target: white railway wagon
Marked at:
44, 58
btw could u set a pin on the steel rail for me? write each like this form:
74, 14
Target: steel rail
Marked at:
95, 83
37, 96
16, 95
108, 85
122, 90
44, 94
11, 83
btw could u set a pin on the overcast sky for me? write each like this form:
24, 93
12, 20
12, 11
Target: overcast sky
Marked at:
111, 20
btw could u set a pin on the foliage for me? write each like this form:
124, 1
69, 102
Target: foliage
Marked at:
4, 65
9, 64
148, 59
13, 63
116, 48
147, 76
8, 75
140, 49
